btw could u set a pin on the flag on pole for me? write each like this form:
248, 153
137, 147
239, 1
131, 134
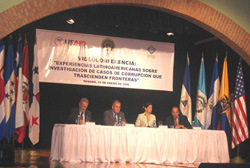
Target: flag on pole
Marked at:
201, 100
239, 118
212, 117
19, 92
185, 100
9, 100
224, 100
2, 108
34, 124
24, 93
26, 85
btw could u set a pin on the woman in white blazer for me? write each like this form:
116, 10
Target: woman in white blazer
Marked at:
146, 119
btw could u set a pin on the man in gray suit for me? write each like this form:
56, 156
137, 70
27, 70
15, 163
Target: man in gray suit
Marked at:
112, 116
80, 115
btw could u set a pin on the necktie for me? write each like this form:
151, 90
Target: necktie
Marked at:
115, 118
175, 122
81, 118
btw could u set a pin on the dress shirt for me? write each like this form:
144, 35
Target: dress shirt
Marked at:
176, 121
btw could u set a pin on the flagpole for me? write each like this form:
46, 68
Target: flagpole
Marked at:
238, 150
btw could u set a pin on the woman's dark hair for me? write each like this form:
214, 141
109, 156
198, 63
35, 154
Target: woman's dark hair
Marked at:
146, 105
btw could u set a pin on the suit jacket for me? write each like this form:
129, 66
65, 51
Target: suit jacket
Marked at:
73, 115
108, 117
142, 120
182, 121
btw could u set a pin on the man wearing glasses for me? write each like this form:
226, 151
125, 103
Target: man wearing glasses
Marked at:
114, 115
80, 115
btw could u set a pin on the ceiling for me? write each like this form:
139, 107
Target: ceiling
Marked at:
125, 21
238, 10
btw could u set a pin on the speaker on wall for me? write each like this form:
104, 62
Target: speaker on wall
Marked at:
7, 155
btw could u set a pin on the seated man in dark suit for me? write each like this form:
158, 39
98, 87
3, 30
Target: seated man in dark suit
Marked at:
80, 115
112, 116
178, 121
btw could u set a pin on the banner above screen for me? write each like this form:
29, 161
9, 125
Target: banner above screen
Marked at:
84, 59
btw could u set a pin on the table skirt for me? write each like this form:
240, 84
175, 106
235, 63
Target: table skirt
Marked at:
79, 143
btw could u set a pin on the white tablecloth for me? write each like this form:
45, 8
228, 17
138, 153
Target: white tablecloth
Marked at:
78, 143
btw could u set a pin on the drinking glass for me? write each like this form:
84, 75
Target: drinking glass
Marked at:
160, 123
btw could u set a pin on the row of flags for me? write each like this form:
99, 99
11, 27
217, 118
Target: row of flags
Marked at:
212, 113
215, 112
15, 112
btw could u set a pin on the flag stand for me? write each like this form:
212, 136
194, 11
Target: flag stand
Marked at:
237, 159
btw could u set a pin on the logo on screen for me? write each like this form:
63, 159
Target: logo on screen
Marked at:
151, 49
59, 41
108, 44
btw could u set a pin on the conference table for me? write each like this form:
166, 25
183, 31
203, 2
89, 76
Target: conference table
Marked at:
84, 143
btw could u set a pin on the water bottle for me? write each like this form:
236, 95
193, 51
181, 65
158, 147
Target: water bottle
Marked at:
154, 124
78, 120
120, 121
